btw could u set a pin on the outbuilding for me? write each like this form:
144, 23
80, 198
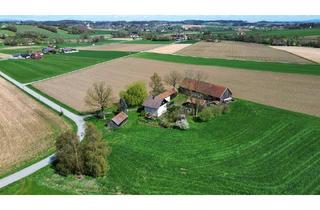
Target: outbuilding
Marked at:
118, 120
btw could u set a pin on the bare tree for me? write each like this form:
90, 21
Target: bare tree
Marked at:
197, 76
99, 97
173, 78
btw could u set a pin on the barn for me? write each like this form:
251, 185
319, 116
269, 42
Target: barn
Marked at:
204, 90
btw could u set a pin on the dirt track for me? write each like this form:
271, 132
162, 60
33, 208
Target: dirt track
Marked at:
26, 127
240, 51
305, 52
294, 92
122, 47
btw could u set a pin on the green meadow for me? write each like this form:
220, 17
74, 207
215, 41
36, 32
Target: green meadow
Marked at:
29, 70
253, 149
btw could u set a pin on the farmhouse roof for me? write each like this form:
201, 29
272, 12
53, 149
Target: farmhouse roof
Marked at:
153, 102
203, 87
119, 118
168, 93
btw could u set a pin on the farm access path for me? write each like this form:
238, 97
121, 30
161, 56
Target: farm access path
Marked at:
78, 120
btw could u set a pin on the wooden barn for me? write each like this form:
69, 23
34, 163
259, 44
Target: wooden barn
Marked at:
118, 120
205, 91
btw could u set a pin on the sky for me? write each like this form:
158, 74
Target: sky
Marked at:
145, 8
253, 18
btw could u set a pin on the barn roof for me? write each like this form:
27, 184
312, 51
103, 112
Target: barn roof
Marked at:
119, 118
153, 102
168, 93
203, 87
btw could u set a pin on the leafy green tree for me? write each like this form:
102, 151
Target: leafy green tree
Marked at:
68, 154
156, 85
94, 153
135, 94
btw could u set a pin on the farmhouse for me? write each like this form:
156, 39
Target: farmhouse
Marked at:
205, 91
157, 105
118, 120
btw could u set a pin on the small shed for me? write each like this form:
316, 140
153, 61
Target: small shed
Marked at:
118, 120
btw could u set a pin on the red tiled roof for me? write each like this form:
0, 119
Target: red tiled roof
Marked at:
168, 93
203, 87
119, 118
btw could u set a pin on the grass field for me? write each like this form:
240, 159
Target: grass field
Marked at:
289, 32
9, 33
85, 44
60, 33
52, 65
313, 69
253, 149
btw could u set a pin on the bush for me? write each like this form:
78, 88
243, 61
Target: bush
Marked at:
209, 112
206, 114
182, 124
12, 28
135, 94
48, 28
165, 123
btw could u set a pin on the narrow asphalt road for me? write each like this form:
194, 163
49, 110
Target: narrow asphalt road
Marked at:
79, 121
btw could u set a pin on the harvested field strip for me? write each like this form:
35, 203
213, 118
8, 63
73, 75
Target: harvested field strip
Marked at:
305, 52
20, 115
241, 51
26, 71
313, 69
253, 149
294, 92
169, 49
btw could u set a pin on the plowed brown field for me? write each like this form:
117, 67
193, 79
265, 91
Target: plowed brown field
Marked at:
240, 51
299, 93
